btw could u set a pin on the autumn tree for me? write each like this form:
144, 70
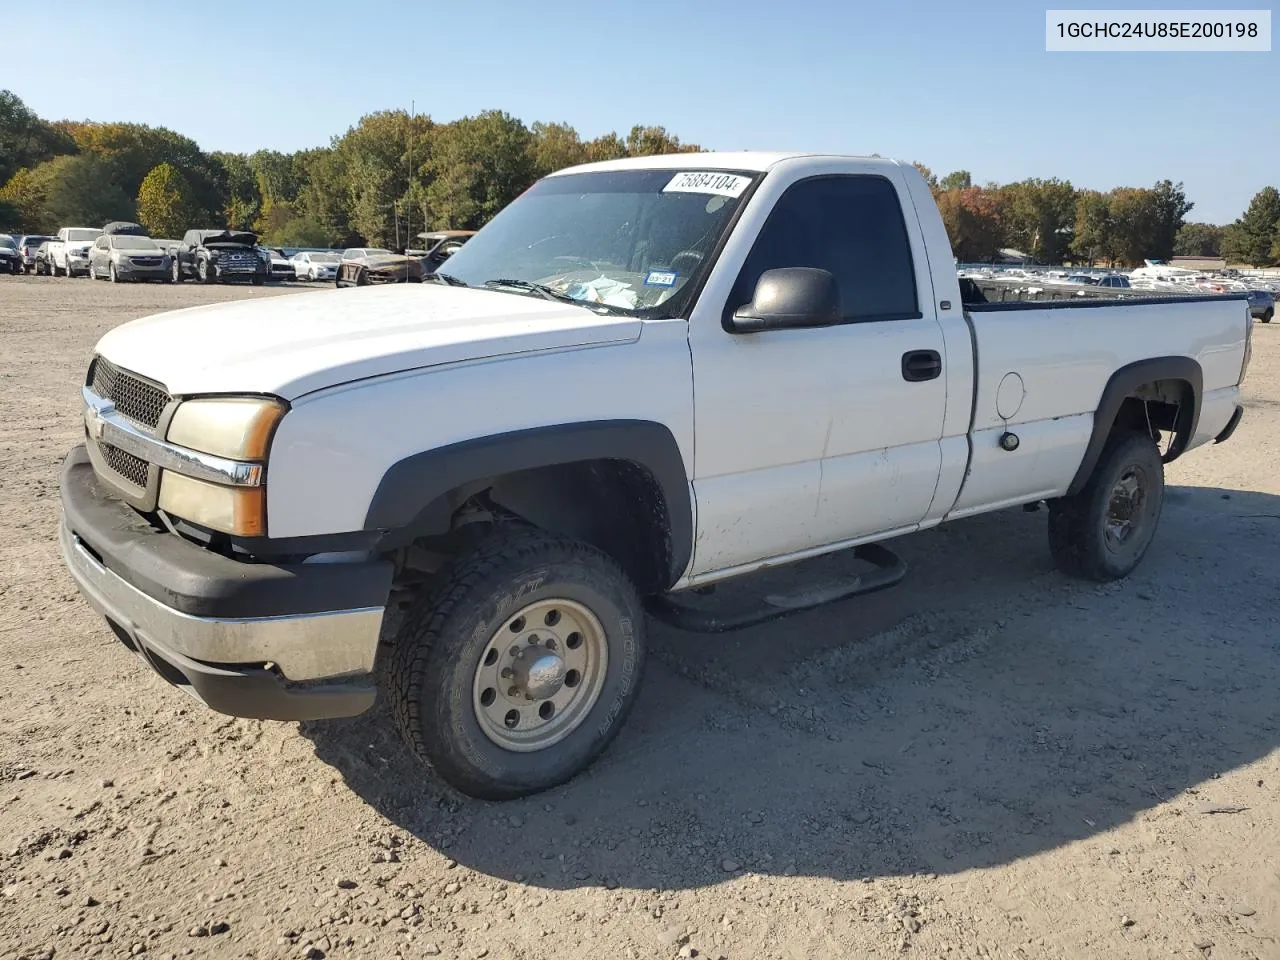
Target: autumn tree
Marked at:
25, 192
480, 164
645, 141
556, 146
166, 203
25, 139
1094, 234
1198, 240
956, 180
928, 175
1039, 217
1253, 239
241, 202
972, 218
82, 190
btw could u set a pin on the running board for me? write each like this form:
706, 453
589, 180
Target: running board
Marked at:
890, 569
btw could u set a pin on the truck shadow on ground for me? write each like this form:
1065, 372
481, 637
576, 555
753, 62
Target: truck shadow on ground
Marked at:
987, 710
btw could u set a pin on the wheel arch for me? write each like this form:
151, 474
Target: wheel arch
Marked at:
619, 484
1130, 391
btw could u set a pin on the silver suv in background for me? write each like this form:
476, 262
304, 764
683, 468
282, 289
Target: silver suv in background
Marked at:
1262, 305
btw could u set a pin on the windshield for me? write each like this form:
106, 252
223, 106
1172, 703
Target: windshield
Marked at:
133, 243
8, 243
324, 257
78, 236
633, 240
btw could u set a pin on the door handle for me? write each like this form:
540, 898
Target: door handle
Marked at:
920, 365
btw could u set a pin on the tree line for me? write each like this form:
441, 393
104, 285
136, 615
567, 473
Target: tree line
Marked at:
393, 174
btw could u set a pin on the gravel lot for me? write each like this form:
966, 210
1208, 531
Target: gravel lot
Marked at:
990, 761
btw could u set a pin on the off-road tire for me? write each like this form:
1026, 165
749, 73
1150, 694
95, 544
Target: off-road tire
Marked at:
434, 658
205, 272
1078, 524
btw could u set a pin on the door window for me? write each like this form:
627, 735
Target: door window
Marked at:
851, 226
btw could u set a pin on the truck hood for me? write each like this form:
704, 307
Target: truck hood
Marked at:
295, 344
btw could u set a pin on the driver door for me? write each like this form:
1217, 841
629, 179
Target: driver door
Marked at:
810, 437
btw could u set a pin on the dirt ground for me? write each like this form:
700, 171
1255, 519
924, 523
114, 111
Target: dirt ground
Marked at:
989, 761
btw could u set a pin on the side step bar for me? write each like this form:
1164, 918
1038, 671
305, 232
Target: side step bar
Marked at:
890, 569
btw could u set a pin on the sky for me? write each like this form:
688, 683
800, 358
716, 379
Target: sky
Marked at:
950, 85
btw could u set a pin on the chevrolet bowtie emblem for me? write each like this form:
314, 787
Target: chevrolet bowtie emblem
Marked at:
95, 419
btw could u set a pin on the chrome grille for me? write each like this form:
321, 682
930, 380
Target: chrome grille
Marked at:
136, 399
133, 469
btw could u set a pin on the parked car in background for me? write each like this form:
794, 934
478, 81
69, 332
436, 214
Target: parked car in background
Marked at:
168, 245
279, 267
42, 262
355, 253
10, 258
408, 267
439, 245
1262, 305
1115, 280
69, 252
312, 265
219, 255
27, 247
118, 257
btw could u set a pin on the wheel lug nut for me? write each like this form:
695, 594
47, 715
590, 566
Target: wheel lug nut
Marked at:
533, 638
506, 673
515, 651
513, 691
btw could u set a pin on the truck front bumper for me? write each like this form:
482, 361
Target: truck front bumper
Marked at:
275, 642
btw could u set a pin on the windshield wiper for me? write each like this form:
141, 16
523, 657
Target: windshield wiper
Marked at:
540, 289
447, 279
547, 293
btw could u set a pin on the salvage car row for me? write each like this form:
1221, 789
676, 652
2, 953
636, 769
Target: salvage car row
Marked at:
122, 251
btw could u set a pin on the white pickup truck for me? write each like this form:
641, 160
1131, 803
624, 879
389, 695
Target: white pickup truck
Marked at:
69, 252
642, 377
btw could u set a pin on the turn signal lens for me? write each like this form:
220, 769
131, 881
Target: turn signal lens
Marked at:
241, 511
238, 428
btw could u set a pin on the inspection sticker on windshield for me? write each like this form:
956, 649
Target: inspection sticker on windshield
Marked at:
708, 181
660, 278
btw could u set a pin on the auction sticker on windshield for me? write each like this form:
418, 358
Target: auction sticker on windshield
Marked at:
707, 181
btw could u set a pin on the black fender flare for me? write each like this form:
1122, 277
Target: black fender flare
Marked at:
411, 498
1125, 382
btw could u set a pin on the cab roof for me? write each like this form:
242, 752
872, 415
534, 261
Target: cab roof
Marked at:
756, 161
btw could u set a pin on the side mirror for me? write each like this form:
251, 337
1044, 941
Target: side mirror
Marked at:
787, 298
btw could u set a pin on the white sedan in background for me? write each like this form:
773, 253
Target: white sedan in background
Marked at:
316, 266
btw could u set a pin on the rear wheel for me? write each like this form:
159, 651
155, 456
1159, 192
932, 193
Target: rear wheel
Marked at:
1103, 532
517, 671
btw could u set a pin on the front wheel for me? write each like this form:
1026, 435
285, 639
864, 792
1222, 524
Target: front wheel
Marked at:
1266, 317
175, 271
1103, 532
111, 274
517, 671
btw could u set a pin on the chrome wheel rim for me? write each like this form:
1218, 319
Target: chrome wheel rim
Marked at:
1125, 508
540, 674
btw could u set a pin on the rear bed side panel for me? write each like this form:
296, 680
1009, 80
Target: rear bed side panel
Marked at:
1042, 374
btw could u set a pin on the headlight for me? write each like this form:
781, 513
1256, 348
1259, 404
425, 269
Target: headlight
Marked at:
238, 428
237, 510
